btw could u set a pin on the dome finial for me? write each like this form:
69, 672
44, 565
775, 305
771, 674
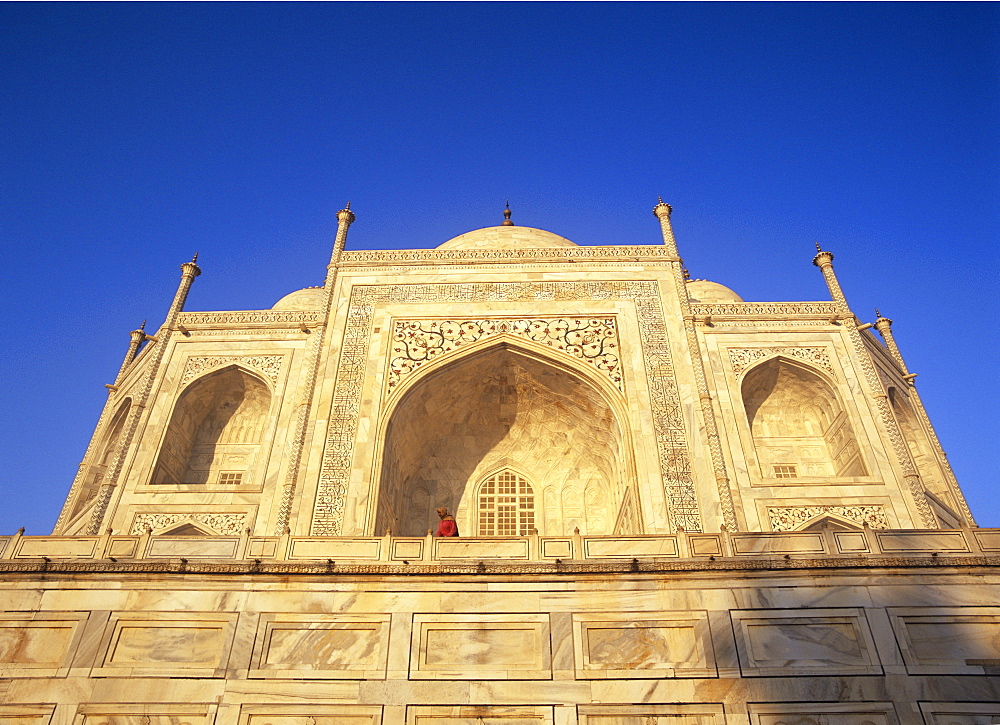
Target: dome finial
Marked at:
506, 215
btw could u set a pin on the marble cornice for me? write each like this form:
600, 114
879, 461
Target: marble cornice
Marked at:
872, 564
411, 257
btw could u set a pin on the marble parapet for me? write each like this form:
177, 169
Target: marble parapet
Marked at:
683, 550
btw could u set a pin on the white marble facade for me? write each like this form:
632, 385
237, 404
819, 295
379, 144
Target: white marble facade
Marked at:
676, 508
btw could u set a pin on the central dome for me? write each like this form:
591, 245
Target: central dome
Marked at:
507, 237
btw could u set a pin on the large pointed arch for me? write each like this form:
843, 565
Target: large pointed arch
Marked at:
799, 426
215, 430
503, 403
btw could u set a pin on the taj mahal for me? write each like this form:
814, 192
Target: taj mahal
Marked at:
674, 507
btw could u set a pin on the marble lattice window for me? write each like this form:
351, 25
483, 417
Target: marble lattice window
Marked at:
785, 471
506, 505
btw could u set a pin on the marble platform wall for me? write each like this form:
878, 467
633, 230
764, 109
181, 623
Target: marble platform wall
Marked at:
889, 645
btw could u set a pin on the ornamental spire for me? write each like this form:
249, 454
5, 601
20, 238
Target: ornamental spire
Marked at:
506, 216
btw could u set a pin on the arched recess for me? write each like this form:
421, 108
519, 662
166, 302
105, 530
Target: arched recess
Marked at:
504, 405
102, 458
923, 456
215, 430
799, 426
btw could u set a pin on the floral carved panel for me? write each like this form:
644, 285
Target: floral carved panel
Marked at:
742, 358
229, 524
591, 339
789, 518
267, 365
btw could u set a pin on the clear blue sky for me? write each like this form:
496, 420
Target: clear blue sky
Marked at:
135, 134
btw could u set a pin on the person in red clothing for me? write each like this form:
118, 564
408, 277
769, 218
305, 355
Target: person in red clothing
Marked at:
447, 527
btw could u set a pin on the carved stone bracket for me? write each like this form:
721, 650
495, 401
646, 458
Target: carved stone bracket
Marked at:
591, 339
788, 518
668, 423
267, 365
227, 524
742, 358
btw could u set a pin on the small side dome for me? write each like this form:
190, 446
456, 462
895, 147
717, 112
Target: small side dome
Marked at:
303, 300
701, 290
508, 237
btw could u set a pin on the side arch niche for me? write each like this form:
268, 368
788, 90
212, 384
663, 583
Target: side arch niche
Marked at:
102, 458
215, 430
924, 459
506, 414
799, 426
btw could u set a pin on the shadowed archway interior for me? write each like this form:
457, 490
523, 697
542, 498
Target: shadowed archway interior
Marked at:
799, 427
503, 409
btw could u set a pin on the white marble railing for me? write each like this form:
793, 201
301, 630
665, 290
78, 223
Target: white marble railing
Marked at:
552, 549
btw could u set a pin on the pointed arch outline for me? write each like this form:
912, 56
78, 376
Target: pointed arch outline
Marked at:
825, 375
815, 522
267, 430
564, 362
170, 529
827, 378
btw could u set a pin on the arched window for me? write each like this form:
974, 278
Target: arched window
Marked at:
506, 505
799, 428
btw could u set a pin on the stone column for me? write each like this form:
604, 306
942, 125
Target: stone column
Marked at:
314, 354
662, 212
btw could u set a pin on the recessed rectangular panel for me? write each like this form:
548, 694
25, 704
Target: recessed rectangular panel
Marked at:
960, 713
650, 645
56, 547
821, 642
38, 645
797, 543
628, 548
143, 714
446, 549
921, 541
316, 548
480, 647
948, 640
823, 713
167, 644
988, 540
557, 548
407, 549
478, 715
192, 547
26, 714
315, 646
645, 714
310, 714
